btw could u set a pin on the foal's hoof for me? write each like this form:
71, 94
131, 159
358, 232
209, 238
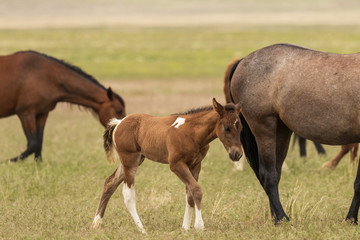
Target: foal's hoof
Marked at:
97, 222
199, 226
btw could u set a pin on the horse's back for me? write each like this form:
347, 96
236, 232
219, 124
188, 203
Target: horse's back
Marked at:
312, 92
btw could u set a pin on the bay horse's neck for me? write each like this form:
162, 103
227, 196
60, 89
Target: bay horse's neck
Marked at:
79, 90
205, 123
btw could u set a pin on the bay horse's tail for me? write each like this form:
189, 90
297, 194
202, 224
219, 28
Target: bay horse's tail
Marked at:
247, 137
108, 140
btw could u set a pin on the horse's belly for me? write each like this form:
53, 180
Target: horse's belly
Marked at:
334, 128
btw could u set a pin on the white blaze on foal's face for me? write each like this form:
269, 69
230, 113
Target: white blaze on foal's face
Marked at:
178, 122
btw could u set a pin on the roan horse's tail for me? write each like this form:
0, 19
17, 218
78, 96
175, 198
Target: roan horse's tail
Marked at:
108, 140
247, 137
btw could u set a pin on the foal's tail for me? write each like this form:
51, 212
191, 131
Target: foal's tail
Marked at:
108, 140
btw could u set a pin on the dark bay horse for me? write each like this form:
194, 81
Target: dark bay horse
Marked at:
32, 83
284, 88
180, 140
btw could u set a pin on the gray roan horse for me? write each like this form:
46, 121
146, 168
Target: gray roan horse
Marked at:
285, 88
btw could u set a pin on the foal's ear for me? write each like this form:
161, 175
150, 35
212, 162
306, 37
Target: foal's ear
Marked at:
218, 107
110, 93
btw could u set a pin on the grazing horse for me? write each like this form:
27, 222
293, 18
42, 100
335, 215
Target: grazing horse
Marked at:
32, 83
180, 140
284, 88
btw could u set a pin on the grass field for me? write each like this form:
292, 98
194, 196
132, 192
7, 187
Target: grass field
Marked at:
161, 70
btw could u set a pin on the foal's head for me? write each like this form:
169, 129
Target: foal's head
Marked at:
114, 107
228, 128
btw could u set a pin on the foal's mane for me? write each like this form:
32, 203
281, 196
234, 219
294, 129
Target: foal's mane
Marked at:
227, 107
195, 110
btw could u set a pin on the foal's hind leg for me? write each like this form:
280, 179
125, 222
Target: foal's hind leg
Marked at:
131, 163
110, 186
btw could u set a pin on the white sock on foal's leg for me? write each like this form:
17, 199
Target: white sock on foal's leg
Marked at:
129, 199
199, 223
97, 222
188, 215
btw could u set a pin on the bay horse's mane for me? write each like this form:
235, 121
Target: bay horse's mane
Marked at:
228, 107
75, 69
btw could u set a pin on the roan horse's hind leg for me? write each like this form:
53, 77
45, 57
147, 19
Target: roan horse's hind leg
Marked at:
33, 127
110, 186
352, 215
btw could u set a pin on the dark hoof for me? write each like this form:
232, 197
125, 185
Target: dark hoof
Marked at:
282, 220
351, 221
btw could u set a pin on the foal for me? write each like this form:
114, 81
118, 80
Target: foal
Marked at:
181, 140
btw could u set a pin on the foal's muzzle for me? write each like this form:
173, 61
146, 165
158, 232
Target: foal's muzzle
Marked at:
235, 154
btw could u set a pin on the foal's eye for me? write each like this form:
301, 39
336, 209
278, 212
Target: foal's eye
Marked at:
227, 128
119, 112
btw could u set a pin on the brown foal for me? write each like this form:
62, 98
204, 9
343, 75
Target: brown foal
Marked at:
181, 140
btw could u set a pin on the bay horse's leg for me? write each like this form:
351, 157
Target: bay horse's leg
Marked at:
335, 161
110, 186
130, 163
265, 136
352, 215
40, 125
28, 122
183, 172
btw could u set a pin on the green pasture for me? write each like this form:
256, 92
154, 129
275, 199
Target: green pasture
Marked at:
165, 53
57, 198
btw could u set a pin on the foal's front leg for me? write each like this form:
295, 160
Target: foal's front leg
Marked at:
194, 194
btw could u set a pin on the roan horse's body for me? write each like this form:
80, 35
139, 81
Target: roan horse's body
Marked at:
283, 89
180, 140
33, 83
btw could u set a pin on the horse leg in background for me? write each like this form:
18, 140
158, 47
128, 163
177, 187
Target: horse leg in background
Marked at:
335, 161
33, 127
183, 172
352, 215
110, 186
270, 163
131, 161
302, 145
353, 152
319, 148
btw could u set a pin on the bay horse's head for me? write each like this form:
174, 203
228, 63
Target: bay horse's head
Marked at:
228, 128
114, 107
